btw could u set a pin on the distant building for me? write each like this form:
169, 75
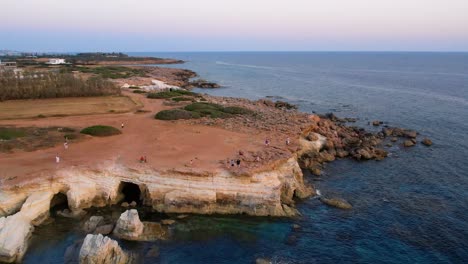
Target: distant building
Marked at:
56, 61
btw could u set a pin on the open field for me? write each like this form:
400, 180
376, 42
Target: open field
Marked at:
17, 109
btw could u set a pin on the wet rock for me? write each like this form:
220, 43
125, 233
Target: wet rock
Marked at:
290, 211
316, 171
342, 153
408, 143
15, 232
153, 252
410, 134
394, 139
168, 221
336, 202
125, 204
376, 123
104, 229
426, 142
92, 223
101, 249
364, 154
133, 204
326, 157
291, 240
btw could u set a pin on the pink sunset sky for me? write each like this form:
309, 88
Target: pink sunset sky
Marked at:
237, 25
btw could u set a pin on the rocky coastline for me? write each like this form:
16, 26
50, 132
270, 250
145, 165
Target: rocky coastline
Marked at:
268, 184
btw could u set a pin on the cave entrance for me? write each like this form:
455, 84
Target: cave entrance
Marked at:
59, 203
131, 192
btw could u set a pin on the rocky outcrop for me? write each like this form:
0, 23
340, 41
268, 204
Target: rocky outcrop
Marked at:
15, 230
336, 202
426, 142
129, 227
103, 250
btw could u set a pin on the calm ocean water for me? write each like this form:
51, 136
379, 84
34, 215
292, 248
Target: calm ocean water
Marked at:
409, 208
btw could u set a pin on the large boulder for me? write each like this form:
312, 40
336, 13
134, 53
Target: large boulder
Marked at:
103, 250
15, 232
129, 226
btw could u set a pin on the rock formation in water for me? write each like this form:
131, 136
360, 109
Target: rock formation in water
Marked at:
98, 249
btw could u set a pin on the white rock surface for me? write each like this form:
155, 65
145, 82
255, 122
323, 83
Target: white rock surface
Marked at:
99, 249
129, 226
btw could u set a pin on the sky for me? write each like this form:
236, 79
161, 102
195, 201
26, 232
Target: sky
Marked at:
233, 25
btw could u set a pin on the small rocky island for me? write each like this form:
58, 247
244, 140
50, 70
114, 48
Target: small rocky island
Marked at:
174, 151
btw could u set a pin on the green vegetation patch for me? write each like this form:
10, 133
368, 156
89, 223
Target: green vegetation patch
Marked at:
110, 72
170, 94
11, 133
100, 131
139, 91
176, 114
182, 99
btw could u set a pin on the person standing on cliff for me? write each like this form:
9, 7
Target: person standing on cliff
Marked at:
267, 142
288, 141
57, 158
122, 126
238, 162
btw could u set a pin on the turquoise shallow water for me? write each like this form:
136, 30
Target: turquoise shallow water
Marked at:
411, 207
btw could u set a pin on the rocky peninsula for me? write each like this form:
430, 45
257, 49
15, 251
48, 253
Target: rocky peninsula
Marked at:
240, 162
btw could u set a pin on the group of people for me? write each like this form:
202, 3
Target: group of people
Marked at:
267, 142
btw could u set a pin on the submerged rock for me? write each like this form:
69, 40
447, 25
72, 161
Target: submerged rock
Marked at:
102, 250
263, 261
426, 142
336, 202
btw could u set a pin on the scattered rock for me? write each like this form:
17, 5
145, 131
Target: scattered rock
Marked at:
125, 204
103, 250
394, 139
376, 123
133, 204
426, 142
408, 143
336, 202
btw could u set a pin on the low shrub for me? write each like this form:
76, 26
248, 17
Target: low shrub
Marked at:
70, 136
169, 94
236, 110
11, 133
175, 114
100, 131
203, 106
139, 91
134, 87
181, 99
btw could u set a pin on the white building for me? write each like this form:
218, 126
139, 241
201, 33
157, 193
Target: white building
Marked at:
56, 61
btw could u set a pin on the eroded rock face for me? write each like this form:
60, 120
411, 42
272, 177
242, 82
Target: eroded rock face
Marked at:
15, 232
103, 250
129, 226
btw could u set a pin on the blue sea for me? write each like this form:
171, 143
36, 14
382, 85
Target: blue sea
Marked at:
409, 208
